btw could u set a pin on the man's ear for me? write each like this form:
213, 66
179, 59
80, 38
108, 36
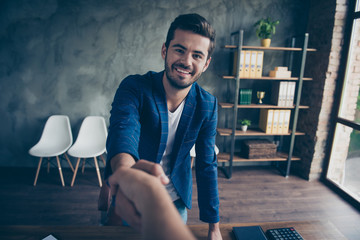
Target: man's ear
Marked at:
207, 64
163, 51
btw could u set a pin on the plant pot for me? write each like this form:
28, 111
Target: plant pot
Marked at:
265, 42
244, 128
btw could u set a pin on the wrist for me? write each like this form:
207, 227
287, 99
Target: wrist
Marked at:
121, 160
214, 226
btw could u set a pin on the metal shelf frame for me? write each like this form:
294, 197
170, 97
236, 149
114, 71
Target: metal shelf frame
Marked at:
234, 133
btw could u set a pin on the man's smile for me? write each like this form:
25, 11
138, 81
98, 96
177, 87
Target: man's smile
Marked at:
182, 70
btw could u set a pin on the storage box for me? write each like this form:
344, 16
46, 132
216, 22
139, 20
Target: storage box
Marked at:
280, 74
258, 149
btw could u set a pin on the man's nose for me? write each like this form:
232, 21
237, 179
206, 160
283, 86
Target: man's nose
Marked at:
186, 59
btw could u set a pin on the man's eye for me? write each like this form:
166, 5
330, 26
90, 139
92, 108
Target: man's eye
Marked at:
197, 56
179, 50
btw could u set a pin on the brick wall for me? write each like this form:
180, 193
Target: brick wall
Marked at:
326, 29
348, 111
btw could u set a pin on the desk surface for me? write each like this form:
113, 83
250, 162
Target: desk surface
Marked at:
312, 230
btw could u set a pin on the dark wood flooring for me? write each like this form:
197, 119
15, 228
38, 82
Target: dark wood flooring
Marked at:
257, 194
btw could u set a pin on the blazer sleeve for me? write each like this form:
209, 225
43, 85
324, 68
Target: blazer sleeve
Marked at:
124, 129
206, 168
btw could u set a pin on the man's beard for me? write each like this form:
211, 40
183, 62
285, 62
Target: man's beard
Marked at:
172, 79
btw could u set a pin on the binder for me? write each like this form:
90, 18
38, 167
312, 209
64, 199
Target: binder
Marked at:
253, 62
281, 121
290, 94
286, 124
278, 95
259, 64
247, 59
241, 67
283, 92
266, 119
242, 59
275, 123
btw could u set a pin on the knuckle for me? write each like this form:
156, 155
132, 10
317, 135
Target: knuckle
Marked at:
156, 169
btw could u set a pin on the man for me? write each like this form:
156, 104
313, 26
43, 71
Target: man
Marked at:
158, 117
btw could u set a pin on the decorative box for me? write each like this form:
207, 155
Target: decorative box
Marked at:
258, 149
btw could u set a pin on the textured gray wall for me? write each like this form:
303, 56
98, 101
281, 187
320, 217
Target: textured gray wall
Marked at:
68, 57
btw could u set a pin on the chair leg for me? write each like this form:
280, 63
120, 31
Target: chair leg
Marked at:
48, 165
37, 171
67, 158
75, 172
83, 167
60, 172
102, 158
98, 171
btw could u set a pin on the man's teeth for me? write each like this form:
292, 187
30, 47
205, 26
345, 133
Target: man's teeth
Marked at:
182, 71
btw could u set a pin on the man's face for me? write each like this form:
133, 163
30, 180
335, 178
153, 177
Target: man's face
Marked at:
185, 58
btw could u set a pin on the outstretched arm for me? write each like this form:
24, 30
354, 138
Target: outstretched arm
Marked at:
159, 217
126, 209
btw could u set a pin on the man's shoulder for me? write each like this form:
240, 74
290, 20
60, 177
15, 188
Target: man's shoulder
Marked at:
138, 79
203, 95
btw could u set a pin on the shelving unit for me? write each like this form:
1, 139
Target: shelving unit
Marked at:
233, 133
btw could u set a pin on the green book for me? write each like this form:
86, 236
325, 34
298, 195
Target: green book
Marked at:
245, 95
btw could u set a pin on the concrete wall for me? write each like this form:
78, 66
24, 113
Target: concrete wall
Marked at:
68, 57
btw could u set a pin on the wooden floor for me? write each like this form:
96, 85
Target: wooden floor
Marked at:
252, 195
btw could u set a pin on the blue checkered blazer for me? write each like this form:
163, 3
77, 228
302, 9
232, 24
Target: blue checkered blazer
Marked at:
139, 126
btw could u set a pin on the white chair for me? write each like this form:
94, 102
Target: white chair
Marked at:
55, 140
193, 154
90, 143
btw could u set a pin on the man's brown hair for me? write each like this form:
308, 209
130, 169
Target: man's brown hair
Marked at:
195, 23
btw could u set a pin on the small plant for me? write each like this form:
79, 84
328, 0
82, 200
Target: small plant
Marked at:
265, 28
245, 122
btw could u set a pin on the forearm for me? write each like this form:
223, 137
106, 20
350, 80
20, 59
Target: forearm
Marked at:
169, 224
208, 195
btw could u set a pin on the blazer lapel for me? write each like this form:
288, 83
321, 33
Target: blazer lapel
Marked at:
185, 120
160, 100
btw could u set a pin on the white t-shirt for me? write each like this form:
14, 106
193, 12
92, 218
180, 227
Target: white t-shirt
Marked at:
173, 122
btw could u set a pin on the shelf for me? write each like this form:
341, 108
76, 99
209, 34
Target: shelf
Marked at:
270, 48
252, 132
270, 78
234, 88
280, 156
231, 105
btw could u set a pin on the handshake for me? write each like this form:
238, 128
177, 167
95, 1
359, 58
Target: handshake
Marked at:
140, 198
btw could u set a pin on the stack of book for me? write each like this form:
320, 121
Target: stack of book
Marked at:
251, 64
283, 93
245, 96
274, 121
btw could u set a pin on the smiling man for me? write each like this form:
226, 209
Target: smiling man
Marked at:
158, 117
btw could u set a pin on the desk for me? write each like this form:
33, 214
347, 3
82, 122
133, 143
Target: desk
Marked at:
311, 230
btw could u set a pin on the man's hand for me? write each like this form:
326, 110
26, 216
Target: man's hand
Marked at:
123, 206
214, 232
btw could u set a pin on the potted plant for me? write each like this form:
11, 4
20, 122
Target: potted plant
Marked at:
265, 29
244, 123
